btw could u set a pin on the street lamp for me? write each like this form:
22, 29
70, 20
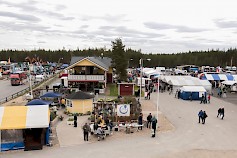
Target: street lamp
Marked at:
141, 68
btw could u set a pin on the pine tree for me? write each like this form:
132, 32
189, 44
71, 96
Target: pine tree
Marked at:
119, 60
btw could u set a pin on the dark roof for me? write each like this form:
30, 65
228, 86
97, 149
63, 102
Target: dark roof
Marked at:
51, 95
104, 62
80, 95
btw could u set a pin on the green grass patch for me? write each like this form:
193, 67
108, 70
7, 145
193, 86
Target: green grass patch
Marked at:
113, 89
136, 88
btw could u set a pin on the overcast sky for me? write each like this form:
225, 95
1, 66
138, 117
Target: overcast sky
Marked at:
154, 26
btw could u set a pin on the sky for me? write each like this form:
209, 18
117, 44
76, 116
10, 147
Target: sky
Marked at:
152, 26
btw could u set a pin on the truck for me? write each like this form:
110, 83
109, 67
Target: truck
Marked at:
17, 78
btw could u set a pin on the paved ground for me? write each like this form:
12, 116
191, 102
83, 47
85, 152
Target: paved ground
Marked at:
9, 89
217, 138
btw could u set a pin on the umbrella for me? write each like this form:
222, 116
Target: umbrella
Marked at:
51, 95
39, 102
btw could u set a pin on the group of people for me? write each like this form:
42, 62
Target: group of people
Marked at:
205, 99
221, 92
151, 123
202, 116
221, 112
148, 90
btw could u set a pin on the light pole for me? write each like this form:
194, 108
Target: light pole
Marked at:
141, 68
157, 101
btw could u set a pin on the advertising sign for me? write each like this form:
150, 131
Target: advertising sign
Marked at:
123, 110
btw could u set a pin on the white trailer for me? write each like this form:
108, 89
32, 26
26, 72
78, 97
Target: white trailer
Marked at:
144, 81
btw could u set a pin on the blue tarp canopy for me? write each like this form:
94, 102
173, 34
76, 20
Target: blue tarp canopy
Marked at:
65, 65
217, 77
230, 77
39, 102
51, 95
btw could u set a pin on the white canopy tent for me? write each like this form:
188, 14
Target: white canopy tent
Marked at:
193, 89
180, 81
229, 83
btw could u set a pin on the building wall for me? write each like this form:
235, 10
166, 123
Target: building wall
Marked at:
126, 89
110, 70
85, 63
81, 106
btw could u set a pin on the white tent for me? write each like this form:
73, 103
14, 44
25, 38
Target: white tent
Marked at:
145, 69
22, 117
229, 83
235, 77
149, 72
193, 89
179, 81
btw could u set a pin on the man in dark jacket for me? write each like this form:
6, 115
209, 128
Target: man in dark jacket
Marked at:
153, 125
75, 120
86, 130
149, 120
200, 115
140, 117
204, 117
222, 113
219, 112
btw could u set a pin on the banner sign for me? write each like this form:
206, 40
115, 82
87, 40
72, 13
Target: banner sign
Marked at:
123, 110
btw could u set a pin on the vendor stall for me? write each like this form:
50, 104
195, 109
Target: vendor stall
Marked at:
192, 92
24, 127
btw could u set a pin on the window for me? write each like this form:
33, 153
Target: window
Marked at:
69, 103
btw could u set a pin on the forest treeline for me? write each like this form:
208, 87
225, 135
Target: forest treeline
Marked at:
199, 58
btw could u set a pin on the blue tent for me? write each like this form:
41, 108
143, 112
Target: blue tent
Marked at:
192, 91
51, 95
39, 102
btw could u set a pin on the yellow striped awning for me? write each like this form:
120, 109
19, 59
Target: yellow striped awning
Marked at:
21, 117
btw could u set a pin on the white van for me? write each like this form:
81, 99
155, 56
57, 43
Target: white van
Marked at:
39, 78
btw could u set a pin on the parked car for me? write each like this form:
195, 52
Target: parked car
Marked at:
6, 72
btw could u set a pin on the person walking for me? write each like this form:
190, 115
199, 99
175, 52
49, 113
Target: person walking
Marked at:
47, 88
202, 99
200, 115
149, 95
222, 113
86, 130
205, 98
140, 117
209, 98
153, 125
149, 117
204, 116
75, 120
219, 112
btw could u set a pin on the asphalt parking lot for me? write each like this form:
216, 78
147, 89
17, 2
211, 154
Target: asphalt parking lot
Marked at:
230, 97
